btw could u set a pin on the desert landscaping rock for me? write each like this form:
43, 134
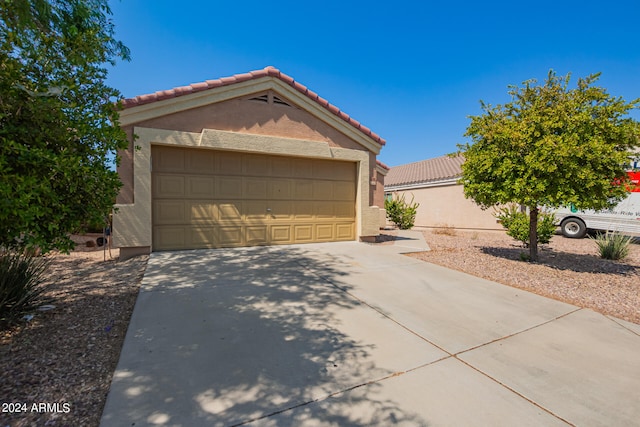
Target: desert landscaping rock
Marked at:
67, 354
569, 270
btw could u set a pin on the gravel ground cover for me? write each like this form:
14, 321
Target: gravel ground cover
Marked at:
65, 357
569, 270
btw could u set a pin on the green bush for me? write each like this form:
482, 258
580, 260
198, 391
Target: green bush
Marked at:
517, 224
20, 284
613, 246
401, 213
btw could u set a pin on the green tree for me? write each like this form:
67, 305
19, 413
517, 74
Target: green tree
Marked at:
58, 119
550, 146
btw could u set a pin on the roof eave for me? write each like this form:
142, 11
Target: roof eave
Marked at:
424, 184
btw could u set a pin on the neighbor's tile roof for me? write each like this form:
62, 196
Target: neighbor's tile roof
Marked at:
431, 170
266, 72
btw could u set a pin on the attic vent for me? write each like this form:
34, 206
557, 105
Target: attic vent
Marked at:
262, 98
269, 98
277, 100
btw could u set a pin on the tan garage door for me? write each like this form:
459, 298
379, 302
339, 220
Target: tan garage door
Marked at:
209, 199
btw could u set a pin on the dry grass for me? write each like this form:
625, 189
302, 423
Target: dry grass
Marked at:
569, 270
447, 230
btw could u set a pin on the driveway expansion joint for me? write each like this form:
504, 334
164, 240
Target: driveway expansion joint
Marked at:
616, 321
533, 402
517, 333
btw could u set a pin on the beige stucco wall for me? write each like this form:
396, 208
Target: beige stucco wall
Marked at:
132, 222
378, 194
446, 206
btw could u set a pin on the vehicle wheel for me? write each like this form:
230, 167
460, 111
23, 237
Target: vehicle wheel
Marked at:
573, 228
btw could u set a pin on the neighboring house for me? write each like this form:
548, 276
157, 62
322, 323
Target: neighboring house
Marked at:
434, 184
252, 159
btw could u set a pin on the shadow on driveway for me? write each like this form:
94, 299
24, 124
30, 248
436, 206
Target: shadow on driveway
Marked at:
226, 337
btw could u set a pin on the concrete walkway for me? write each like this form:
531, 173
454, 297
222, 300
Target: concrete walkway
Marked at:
351, 334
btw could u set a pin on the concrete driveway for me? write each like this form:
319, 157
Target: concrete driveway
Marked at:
350, 334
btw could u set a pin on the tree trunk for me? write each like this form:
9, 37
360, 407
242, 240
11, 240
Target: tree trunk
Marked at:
533, 234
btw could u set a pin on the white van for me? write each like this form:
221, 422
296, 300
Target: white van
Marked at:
623, 218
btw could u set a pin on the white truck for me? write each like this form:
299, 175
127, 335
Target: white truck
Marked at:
623, 218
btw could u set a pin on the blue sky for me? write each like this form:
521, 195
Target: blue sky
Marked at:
411, 71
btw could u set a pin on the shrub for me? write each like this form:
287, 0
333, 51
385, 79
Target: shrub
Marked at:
21, 277
401, 213
517, 224
613, 246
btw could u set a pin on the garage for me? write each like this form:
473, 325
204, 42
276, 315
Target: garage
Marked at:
246, 160
206, 198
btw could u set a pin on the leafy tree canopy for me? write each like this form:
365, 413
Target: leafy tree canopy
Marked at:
552, 145
58, 119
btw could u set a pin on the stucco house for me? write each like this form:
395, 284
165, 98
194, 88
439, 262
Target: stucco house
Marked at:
251, 159
434, 184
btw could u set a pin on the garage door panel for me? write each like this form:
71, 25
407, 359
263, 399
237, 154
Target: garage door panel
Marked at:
209, 198
202, 212
303, 190
280, 189
168, 159
254, 188
281, 167
167, 212
344, 171
303, 233
255, 210
345, 231
323, 210
256, 234
168, 186
230, 236
229, 187
229, 163
280, 234
255, 165
280, 211
324, 232
344, 210
322, 190
201, 237
303, 168
345, 191
169, 237
230, 211
303, 210
200, 187
199, 161
323, 170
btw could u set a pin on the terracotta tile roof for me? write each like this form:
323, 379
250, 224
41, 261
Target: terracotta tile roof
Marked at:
266, 72
382, 165
431, 170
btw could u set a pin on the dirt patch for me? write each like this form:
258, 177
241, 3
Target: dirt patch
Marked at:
66, 356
